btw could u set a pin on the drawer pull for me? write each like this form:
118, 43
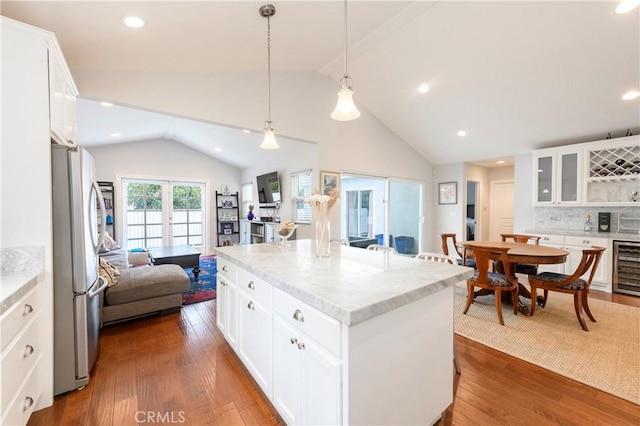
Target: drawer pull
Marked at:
298, 315
251, 306
28, 403
27, 309
301, 346
224, 268
585, 241
251, 285
28, 350
546, 238
223, 283
294, 340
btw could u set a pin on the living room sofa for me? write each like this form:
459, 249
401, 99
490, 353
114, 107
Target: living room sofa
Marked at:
141, 288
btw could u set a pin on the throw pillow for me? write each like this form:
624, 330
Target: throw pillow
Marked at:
109, 242
109, 272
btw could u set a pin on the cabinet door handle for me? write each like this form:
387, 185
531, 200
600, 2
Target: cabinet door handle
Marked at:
28, 403
294, 340
298, 315
251, 306
28, 350
224, 268
251, 285
301, 346
27, 309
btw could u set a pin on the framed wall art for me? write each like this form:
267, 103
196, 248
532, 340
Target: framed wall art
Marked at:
448, 193
329, 181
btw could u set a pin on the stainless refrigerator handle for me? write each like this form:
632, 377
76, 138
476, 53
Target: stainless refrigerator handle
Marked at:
94, 293
103, 221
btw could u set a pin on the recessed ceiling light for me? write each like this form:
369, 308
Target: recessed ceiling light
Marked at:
115, 135
627, 6
217, 149
462, 133
133, 22
246, 131
500, 162
107, 104
424, 88
630, 95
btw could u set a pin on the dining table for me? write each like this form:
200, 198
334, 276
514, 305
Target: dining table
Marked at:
519, 253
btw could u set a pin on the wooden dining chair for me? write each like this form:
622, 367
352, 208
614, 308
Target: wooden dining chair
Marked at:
466, 256
440, 258
380, 247
522, 268
494, 281
571, 284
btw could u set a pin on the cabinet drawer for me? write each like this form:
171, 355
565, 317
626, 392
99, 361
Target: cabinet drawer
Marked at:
26, 399
255, 288
310, 321
585, 242
551, 239
227, 268
17, 361
18, 316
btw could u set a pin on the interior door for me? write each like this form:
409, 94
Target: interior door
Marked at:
501, 209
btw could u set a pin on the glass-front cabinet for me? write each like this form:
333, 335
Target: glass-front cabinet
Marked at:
558, 176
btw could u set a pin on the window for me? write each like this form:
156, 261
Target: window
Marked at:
359, 220
187, 214
300, 189
247, 198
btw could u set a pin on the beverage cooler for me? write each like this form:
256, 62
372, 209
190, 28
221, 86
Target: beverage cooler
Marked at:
626, 267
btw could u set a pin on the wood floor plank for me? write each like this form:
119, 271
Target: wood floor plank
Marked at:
180, 364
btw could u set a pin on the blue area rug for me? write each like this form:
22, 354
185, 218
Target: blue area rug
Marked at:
205, 288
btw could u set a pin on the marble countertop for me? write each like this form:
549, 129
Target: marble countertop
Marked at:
574, 233
14, 286
21, 268
353, 284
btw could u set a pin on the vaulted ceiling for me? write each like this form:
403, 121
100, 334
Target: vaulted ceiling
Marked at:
514, 75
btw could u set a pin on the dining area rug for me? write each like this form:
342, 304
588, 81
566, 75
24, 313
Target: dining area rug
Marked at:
605, 357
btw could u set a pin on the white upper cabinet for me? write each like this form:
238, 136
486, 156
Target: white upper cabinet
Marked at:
613, 172
596, 173
62, 99
558, 176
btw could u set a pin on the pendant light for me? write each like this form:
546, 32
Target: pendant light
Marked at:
269, 141
345, 109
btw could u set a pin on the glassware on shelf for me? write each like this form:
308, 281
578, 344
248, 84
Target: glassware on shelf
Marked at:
634, 194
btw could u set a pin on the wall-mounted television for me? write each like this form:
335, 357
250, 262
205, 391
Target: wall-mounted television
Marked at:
268, 188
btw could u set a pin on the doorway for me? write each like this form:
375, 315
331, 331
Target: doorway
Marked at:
472, 210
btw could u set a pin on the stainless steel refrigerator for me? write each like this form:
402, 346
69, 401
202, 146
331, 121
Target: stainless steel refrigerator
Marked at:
78, 232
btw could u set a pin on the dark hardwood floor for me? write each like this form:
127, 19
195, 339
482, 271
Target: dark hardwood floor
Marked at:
178, 369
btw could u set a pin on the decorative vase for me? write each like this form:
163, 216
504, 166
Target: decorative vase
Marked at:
250, 216
323, 231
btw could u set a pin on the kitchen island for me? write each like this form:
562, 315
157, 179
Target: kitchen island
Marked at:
361, 337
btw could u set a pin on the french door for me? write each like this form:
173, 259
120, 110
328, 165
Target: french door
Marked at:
161, 213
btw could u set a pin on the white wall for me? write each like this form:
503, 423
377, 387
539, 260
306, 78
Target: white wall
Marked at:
523, 211
448, 218
164, 159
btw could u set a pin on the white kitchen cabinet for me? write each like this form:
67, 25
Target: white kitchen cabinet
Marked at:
255, 328
245, 232
574, 245
270, 232
613, 172
307, 377
21, 358
558, 176
226, 305
62, 100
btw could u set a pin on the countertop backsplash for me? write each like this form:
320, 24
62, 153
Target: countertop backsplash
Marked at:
573, 218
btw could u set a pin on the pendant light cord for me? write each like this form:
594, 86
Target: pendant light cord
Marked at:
346, 74
269, 63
